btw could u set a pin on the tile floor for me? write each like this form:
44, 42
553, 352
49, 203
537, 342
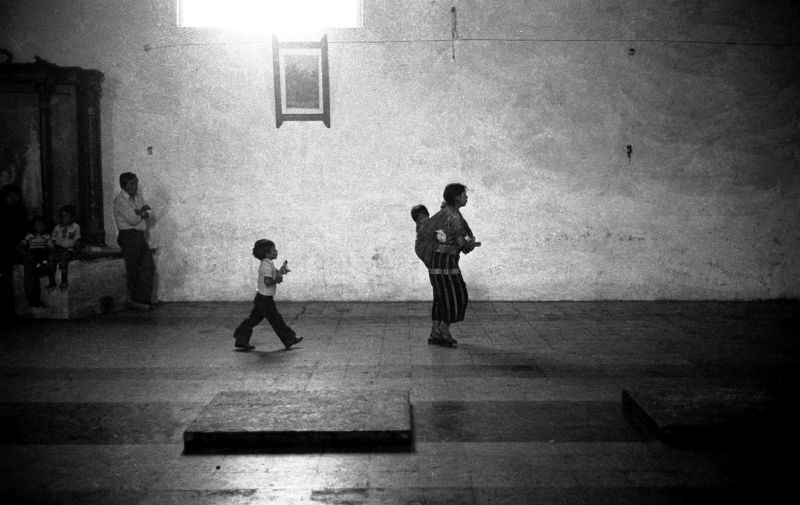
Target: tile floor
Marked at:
526, 410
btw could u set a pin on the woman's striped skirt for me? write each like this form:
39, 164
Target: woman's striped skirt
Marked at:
450, 296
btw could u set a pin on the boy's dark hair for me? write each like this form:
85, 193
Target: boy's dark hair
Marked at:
69, 209
124, 177
452, 191
262, 247
417, 210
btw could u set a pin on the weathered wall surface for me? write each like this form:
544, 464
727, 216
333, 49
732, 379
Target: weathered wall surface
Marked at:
532, 108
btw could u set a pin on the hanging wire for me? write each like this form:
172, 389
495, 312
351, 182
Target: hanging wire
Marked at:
451, 40
453, 31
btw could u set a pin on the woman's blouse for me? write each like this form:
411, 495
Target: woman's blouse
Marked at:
454, 226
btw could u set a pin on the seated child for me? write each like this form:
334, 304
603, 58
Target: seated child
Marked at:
37, 245
38, 260
66, 241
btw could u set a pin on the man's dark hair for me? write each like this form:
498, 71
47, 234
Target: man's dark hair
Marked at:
417, 210
124, 177
262, 247
452, 191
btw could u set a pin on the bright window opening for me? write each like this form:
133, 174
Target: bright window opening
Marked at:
270, 15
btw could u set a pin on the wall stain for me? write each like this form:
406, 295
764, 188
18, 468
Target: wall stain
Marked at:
302, 311
621, 237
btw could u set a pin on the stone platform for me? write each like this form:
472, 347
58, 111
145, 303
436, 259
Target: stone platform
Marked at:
703, 416
95, 286
302, 421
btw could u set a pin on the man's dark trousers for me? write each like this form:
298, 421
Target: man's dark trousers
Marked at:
139, 265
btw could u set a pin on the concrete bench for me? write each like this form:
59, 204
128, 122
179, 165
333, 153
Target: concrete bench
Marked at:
95, 286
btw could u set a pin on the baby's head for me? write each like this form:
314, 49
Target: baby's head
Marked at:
66, 215
419, 212
264, 248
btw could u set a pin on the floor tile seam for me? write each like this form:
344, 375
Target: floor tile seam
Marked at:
478, 490
173, 403
255, 376
508, 449
132, 402
74, 448
422, 398
511, 380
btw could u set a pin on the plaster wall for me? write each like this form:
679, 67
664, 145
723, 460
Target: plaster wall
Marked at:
532, 108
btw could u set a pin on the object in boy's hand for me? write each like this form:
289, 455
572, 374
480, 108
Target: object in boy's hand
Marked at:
285, 267
441, 236
472, 243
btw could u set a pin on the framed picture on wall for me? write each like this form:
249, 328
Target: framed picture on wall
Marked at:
301, 81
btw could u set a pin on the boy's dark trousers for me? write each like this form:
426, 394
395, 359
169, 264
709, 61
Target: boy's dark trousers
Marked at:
61, 258
32, 273
263, 307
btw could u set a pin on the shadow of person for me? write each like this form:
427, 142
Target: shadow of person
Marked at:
272, 355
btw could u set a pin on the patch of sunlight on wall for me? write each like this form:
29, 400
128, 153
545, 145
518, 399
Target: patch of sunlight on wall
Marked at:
269, 15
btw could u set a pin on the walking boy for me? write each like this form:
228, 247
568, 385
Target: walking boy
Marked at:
264, 304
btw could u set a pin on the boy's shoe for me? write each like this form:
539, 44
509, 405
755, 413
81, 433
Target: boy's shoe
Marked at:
293, 342
139, 306
245, 348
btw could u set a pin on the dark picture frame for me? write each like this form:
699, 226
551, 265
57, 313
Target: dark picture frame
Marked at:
302, 91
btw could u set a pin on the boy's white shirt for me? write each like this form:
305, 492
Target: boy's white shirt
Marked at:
60, 235
266, 269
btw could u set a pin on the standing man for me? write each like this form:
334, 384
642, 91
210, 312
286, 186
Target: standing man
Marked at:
131, 215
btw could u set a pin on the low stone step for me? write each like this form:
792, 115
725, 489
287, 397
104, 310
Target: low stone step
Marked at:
703, 416
305, 421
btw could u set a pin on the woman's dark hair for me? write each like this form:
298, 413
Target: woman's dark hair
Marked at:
418, 210
10, 189
124, 177
262, 247
452, 191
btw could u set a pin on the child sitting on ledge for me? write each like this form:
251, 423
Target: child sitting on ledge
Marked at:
66, 241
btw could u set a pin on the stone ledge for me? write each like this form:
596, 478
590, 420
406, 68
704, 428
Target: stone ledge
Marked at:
95, 286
